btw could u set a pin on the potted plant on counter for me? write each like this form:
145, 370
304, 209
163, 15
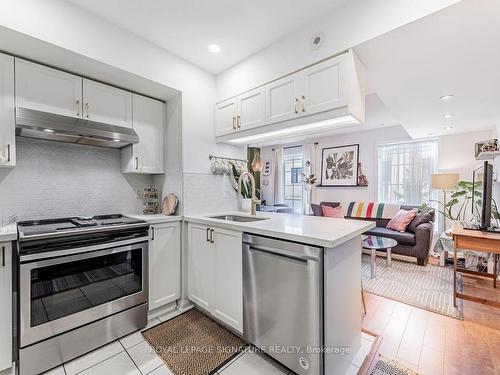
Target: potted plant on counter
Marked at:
246, 189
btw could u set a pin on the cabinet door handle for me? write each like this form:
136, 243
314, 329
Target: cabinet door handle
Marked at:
234, 123
3, 256
78, 108
8, 152
88, 107
212, 236
136, 163
303, 103
296, 105
238, 121
152, 233
208, 234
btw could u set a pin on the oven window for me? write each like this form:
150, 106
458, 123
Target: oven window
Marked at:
67, 288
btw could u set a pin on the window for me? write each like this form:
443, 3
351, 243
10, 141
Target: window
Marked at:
292, 159
404, 172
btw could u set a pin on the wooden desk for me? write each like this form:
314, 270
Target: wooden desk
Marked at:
477, 240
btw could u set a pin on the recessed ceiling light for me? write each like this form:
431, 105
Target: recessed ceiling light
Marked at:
48, 130
448, 115
431, 133
448, 127
116, 140
446, 97
214, 48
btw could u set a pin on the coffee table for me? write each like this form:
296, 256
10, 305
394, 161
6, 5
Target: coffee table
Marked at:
377, 243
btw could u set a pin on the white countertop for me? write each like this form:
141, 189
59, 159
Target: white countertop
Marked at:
313, 230
8, 233
156, 219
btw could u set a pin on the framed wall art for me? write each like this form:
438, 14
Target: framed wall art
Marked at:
339, 166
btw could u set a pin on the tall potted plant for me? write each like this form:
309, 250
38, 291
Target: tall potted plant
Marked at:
462, 200
246, 190
309, 181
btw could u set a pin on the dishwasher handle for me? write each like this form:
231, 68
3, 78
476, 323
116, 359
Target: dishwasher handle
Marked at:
283, 253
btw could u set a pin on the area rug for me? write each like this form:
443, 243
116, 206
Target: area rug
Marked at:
193, 344
428, 287
387, 366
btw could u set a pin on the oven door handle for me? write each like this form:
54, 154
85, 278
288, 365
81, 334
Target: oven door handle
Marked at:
81, 256
80, 250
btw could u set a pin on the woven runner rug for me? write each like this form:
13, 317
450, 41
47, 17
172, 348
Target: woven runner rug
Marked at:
428, 287
193, 344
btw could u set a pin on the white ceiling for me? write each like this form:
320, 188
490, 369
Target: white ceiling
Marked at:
454, 51
187, 27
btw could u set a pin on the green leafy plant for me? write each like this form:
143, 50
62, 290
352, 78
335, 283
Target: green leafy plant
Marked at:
246, 189
462, 200
308, 180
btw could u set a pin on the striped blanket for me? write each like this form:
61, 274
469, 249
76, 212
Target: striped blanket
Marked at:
370, 210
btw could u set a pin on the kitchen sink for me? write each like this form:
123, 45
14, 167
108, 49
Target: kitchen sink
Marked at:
241, 219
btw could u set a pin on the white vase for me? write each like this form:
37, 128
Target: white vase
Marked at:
246, 204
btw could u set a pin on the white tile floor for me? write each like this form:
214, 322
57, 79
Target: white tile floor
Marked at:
132, 355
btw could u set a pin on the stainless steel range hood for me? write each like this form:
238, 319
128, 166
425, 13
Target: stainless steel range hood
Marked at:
43, 125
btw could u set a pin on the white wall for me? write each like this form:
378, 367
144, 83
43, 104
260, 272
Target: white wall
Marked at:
67, 26
72, 28
351, 24
456, 154
54, 179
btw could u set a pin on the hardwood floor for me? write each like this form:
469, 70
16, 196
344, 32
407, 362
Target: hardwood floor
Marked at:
434, 344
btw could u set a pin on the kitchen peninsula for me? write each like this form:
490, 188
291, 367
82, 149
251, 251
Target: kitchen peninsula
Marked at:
250, 272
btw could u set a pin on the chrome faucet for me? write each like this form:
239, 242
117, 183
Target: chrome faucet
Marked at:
255, 201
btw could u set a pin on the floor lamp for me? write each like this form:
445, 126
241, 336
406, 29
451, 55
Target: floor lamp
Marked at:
444, 182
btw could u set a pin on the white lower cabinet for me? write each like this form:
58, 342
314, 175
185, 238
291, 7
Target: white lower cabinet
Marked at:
215, 272
164, 264
6, 305
201, 266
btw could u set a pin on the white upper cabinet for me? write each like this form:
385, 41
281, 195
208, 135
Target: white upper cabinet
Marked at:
49, 90
164, 264
245, 111
251, 109
148, 122
107, 104
282, 99
329, 90
225, 117
322, 88
7, 112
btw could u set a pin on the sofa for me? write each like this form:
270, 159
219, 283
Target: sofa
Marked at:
414, 242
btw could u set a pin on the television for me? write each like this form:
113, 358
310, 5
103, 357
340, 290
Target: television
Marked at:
482, 182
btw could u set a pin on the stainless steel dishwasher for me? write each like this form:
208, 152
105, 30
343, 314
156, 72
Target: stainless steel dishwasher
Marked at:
283, 301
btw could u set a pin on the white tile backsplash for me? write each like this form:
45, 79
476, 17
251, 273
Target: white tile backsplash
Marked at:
208, 193
53, 179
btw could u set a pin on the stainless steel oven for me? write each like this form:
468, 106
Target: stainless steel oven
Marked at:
62, 293
78, 292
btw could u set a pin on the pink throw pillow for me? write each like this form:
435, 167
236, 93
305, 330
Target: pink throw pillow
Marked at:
401, 220
337, 212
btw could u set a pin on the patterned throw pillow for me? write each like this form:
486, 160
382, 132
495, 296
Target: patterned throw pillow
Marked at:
337, 212
401, 220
